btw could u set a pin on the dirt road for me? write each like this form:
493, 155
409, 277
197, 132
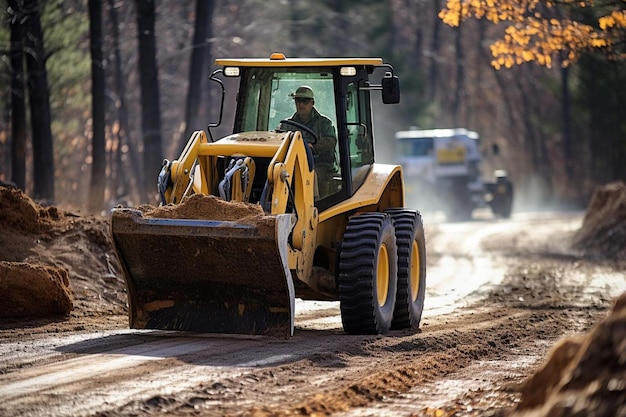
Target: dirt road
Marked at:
500, 293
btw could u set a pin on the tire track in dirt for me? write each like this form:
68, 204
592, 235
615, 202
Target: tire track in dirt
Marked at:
106, 374
372, 371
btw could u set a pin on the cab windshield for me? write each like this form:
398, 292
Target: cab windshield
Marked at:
268, 97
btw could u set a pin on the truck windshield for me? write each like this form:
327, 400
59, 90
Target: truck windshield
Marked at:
267, 95
416, 146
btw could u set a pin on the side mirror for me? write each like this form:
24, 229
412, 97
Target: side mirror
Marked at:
391, 89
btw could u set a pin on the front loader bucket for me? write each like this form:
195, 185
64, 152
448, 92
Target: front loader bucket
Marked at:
204, 275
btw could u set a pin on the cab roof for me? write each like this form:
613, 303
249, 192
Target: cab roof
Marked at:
279, 60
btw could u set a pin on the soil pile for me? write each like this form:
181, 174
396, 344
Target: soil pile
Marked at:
54, 263
20, 213
584, 375
209, 207
603, 232
34, 290
206, 207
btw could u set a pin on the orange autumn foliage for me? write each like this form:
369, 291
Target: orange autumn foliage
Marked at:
537, 30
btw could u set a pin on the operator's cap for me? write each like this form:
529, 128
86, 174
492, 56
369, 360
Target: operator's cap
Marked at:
303, 92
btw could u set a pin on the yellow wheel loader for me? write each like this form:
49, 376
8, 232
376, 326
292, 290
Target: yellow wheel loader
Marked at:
258, 218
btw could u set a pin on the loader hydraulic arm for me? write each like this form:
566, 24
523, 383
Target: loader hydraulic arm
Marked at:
177, 176
291, 178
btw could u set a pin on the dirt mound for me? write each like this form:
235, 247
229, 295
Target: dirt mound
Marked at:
19, 212
57, 263
603, 232
33, 290
207, 207
54, 263
585, 375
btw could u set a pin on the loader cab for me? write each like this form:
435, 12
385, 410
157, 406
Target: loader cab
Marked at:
341, 93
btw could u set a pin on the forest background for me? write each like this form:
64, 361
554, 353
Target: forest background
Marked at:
127, 81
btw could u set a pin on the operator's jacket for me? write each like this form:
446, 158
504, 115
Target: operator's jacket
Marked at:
324, 150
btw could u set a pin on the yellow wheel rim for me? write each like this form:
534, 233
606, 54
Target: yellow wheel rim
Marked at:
414, 271
382, 275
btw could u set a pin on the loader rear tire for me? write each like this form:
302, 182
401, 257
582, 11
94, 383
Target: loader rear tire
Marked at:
368, 264
411, 268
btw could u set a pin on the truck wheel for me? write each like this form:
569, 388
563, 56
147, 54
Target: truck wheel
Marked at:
368, 274
507, 205
502, 202
459, 205
411, 268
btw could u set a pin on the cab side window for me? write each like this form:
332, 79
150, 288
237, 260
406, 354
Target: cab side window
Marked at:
359, 139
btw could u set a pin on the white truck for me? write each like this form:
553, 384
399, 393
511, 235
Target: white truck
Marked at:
442, 170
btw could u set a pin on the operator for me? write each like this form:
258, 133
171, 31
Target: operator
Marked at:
324, 151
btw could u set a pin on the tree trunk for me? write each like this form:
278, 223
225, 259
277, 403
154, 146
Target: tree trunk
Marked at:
504, 91
433, 70
150, 109
39, 97
567, 131
131, 165
536, 144
18, 102
199, 54
459, 90
98, 150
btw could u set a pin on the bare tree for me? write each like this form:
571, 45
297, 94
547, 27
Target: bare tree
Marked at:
199, 54
18, 103
125, 175
459, 90
98, 151
39, 99
433, 72
150, 109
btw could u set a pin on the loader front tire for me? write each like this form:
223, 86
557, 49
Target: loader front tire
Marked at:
411, 268
368, 264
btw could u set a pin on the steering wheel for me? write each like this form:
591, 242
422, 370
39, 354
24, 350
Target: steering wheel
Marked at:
301, 127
